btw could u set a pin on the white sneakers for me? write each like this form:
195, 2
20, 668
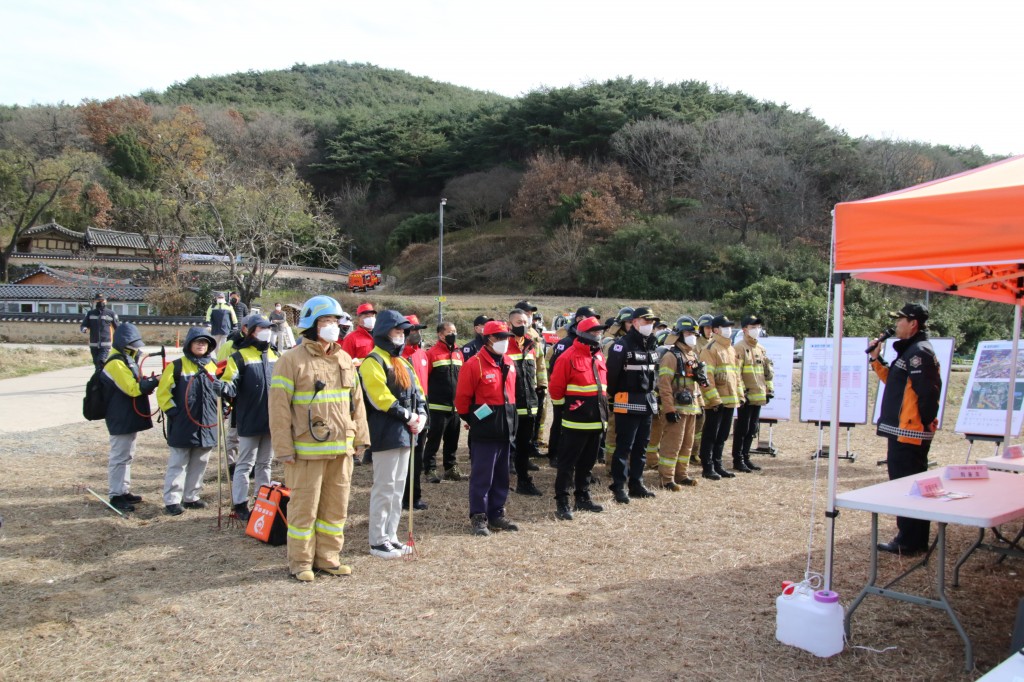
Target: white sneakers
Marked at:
390, 549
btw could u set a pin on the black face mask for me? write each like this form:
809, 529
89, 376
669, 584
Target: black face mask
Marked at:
101, 305
519, 331
414, 339
449, 341
260, 345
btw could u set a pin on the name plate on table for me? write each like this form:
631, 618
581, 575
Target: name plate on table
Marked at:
927, 487
1013, 452
966, 471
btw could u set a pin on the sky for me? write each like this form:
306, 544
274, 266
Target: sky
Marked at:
937, 72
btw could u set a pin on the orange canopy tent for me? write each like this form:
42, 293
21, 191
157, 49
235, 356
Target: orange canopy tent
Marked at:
961, 235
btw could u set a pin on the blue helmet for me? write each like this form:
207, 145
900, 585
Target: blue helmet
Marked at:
317, 307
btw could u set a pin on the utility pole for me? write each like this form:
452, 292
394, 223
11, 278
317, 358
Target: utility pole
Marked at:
440, 260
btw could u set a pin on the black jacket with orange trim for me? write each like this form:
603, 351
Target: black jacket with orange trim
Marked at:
912, 388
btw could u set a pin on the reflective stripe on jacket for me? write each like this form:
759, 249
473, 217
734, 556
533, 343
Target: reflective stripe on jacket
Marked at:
672, 380
483, 382
127, 407
190, 405
222, 319
389, 407
445, 365
249, 385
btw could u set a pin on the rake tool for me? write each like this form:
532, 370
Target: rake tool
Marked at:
100, 498
222, 455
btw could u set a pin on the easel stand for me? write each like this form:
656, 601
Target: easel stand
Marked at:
823, 451
765, 447
971, 437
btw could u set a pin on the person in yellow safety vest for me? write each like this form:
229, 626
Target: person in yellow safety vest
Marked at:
679, 387
317, 424
222, 319
703, 336
224, 351
620, 326
721, 397
757, 374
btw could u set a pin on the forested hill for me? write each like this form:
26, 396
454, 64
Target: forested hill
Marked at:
625, 188
323, 89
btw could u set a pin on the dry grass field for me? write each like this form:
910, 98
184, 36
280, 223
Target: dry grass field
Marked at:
681, 587
17, 362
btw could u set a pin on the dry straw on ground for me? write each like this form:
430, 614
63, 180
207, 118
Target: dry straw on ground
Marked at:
677, 588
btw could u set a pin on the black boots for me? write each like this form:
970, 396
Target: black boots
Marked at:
242, 511
480, 524
741, 466
562, 511
709, 472
750, 464
585, 504
525, 486
639, 490
620, 494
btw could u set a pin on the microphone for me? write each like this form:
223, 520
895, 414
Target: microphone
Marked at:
881, 340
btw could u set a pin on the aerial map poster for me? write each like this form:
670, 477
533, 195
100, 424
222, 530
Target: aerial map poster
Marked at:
943, 351
816, 382
984, 406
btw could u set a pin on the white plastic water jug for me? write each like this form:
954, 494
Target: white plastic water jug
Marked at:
812, 621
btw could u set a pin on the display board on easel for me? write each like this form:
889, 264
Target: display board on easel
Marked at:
943, 351
780, 351
816, 382
983, 411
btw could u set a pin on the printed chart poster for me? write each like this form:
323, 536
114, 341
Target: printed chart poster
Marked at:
943, 351
983, 411
816, 382
780, 350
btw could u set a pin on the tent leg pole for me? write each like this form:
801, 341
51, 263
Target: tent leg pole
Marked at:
833, 433
1013, 375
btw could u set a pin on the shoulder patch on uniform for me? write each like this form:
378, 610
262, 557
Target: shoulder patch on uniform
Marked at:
915, 361
617, 347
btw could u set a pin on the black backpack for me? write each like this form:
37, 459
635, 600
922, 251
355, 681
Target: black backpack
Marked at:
94, 404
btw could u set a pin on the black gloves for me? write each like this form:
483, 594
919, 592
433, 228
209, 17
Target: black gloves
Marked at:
672, 417
148, 385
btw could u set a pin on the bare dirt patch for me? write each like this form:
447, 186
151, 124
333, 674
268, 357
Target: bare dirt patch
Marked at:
681, 587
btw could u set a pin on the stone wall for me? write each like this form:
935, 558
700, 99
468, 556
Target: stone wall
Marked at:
68, 333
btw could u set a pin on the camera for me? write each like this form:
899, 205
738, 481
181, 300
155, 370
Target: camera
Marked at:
697, 372
683, 397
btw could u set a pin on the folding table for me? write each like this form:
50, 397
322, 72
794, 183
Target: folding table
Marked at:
995, 500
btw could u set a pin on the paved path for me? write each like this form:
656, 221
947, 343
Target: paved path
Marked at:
48, 399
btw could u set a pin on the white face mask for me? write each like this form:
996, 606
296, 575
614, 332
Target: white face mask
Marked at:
690, 341
725, 331
219, 301
330, 333
368, 322
752, 332
501, 346
398, 339
262, 335
645, 329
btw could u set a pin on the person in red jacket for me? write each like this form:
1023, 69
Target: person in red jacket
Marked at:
580, 378
445, 364
417, 357
485, 399
359, 341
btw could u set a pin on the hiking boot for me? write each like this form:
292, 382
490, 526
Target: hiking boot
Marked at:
241, 511
562, 509
340, 569
453, 473
620, 495
194, 504
122, 503
305, 576
432, 476
385, 550
750, 464
526, 487
710, 474
501, 523
132, 499
686, 480
585, 504
480, 524
174, 509
740, 465
638, 489
671, 485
